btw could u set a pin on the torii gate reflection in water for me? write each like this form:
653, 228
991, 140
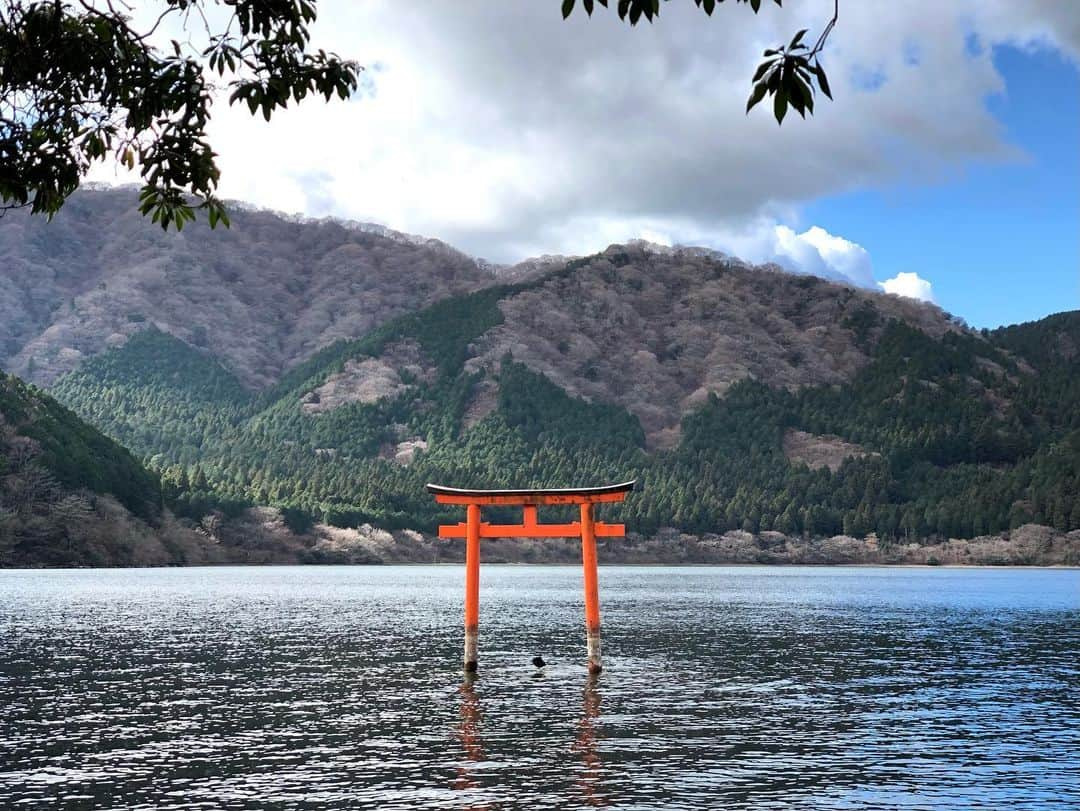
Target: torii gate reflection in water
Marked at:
588, 530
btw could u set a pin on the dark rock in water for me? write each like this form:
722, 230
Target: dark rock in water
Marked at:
538, 661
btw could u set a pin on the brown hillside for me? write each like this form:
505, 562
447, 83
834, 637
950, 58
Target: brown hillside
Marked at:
656, 330
261, 295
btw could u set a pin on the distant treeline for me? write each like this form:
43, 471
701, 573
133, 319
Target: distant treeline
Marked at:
970, 434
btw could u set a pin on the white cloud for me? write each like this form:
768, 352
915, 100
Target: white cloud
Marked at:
909, 285
818, 252
507, 131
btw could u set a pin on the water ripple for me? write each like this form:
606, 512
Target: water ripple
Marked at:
313, 688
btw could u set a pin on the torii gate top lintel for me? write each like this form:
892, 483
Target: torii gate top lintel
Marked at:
546, 495
529, 500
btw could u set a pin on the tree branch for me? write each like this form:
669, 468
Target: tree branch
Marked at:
827, 30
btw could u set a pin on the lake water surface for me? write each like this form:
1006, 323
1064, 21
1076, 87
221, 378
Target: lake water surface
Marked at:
337, 687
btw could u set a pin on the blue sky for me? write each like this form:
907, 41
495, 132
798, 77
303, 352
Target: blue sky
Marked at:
999, 240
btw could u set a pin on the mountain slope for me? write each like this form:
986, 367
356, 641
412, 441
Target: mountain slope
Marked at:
657, 329
64, 485
692, 373
70, 496
261, 295
78, 455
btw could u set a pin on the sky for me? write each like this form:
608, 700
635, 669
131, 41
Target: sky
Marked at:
945, 169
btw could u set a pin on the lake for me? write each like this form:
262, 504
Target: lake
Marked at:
727, 687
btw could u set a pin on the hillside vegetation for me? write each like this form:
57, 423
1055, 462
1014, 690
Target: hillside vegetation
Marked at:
68, 494
260, 296
291, 382
961, 434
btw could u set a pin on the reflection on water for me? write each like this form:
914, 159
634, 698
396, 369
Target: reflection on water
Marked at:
469, 733
588, 782
782, 688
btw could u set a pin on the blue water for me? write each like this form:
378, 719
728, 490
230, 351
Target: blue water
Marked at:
337, 687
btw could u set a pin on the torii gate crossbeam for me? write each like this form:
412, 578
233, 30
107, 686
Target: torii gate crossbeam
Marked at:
473, 529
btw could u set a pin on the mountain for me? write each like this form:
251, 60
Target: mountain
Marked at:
69, 494
844, 411
656, 330
261, 295
744, 399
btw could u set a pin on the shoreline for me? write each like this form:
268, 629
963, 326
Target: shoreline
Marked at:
260, 536
522, 564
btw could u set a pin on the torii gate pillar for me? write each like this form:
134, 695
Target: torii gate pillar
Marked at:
592, 588
472, 586
587, 529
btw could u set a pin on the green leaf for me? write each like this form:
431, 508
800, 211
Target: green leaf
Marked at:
796, 97
567, 7
823, 82
780, 103
761, 70
107, 90
797, 39
756, 95
774, 78
805, 93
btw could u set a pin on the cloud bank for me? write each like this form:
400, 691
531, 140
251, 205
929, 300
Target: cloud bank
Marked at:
508, 132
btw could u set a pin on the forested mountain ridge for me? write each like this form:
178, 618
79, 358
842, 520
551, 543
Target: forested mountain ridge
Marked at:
948, 433
69, 494
744, 399
37, 428
656, 330
272, 290
261, 295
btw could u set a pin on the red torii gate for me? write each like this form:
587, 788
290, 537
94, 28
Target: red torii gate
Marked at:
474, 529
